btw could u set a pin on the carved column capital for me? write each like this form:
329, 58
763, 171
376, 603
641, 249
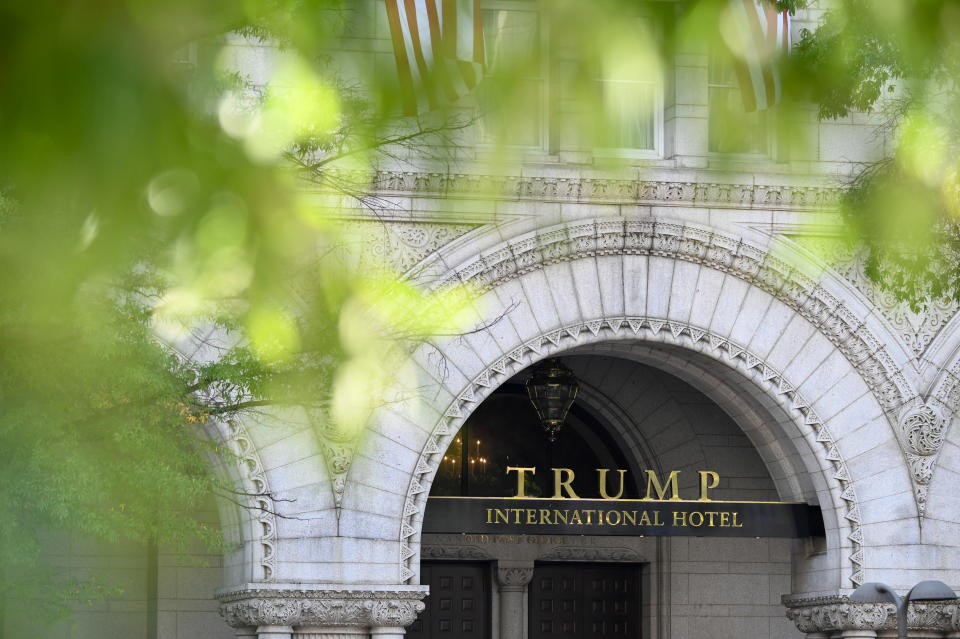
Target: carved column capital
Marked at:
838, 614
321, 605
514, 577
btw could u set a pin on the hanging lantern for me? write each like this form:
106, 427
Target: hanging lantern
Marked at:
552, 388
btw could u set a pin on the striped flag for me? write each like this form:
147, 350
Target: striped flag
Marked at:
438, 45
762, 37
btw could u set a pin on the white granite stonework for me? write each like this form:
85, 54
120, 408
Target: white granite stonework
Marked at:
682, 291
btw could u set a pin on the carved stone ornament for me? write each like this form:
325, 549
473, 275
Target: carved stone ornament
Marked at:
547, 188
388, 606
922, 427
917, 328
922, 430
434, 551
514, 577
404, 244
260, 503
836, 614
589, 553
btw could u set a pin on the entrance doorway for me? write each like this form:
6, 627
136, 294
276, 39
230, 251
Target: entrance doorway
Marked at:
629, 417
584, 601
459, 601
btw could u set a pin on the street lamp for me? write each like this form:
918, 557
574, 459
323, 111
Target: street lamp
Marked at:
873, 592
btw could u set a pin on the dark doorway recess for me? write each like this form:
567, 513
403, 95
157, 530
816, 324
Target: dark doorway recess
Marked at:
458, 604
585, 601
505, 431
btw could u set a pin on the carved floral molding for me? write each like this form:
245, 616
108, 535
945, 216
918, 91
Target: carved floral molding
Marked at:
922, 429
436, 551
405, 244
322, 607
836, 614
590, 553
546, 188
918, 329
514, 578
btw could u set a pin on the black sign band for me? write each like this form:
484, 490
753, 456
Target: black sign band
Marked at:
622, 517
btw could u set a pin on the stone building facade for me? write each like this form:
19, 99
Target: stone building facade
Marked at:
683, 290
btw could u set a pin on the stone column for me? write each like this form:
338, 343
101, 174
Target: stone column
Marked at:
330, 632
322, 611
512, 578
246, 633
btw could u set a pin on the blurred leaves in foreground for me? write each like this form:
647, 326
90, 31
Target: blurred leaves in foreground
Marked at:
900, 59
172, 244
166, 262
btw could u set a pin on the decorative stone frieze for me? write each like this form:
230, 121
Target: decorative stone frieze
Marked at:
838, 614
390, 606
586, 189
454, 552
590, 553
260, 503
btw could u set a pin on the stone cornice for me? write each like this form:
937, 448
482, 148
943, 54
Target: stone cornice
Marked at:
301, 605
596, 189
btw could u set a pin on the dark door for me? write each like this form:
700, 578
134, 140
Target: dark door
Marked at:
458, 604
584, 601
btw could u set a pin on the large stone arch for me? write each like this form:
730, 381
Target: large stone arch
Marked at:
586, 285
577, 268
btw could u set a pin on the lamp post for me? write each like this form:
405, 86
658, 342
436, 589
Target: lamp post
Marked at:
873, 592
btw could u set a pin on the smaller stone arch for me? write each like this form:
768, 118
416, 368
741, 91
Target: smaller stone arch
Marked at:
780, 390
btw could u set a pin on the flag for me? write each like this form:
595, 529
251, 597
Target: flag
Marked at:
438, 46
763, 38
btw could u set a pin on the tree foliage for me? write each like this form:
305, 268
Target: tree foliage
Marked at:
163, 267
171, 254
900, 59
